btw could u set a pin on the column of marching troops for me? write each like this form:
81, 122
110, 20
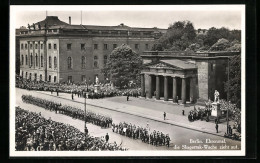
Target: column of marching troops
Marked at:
136, 132
91, 117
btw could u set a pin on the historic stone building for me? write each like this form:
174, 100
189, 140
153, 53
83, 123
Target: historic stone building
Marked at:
182, 76
56, 51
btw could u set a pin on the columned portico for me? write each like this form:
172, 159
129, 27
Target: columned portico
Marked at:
166, 88
174, 89
142, 86
158, 87
174, 76
150, 86
183, 91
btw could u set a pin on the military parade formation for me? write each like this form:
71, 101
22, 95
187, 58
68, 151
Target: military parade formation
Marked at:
35, 133
155, 138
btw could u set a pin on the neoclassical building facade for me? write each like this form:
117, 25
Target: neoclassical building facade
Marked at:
185, 77
56, 51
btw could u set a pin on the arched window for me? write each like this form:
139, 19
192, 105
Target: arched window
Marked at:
22, 60
49, 61
55, 62
69, 63
83, 62
36, 59
26, 60
95, 64
41, 61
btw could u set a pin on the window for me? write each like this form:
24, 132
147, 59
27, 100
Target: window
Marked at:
105, 59
49, 78
83, 62
26, 60
69, 79
26, 75
95, 57
31, 59
55, 62
83, 78
69, 63
137, 46
21, 46
30, 46
25, 45
95, 46
49, 46
41, 61
41, 77
36, 46
35, 76
146, 47
105, 47
114, 46
54, 79
82, 46
41, 46
30, 76
55, 46
95, 64
36, 60
49, 61
22, 74
55, 30
68, 46
22, 60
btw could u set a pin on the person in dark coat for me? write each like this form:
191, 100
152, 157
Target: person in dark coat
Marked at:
182, 112
127, 97
72, 96
217, 127
164, 115
107, 137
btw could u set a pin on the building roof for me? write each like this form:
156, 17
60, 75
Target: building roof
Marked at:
51, 21
179, 63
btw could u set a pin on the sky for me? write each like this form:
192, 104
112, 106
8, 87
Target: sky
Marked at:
202, 17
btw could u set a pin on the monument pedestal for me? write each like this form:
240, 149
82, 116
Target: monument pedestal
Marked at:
216, 112
96, 88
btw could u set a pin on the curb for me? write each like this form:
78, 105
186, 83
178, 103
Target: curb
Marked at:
147, 117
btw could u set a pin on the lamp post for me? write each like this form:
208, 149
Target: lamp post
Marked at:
85, 127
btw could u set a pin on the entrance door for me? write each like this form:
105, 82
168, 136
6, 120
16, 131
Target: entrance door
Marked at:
69, 79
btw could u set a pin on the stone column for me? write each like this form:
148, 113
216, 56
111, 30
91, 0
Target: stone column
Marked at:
29, 55
166, 88
149, 86
183, 91
142, 86
191, 90
157, 87
174, 89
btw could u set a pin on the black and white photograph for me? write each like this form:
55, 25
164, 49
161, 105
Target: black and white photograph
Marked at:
150, 80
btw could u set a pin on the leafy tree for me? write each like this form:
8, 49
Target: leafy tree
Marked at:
214, 34
220, 45
123, 66
178, 37
234, 83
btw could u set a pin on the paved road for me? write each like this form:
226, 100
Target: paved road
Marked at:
179, 136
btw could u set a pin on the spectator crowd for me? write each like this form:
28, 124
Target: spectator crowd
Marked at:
35, 133
137, 132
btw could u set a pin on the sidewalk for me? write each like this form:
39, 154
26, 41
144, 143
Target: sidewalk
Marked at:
151, 110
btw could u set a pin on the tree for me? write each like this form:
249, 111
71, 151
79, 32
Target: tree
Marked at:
178, 37
214, 34
234, 83
220, 45
123, 66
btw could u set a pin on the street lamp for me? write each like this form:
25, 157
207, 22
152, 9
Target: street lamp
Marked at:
85, 127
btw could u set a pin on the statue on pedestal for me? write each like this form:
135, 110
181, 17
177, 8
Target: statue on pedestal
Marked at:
216, 95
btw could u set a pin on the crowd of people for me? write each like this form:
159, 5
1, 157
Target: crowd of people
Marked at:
78, 89
199, 114
137, 132
91, 117
35, 133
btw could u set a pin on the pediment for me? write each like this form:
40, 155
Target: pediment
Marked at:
161, 65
